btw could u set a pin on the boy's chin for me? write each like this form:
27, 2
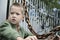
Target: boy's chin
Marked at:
13, 22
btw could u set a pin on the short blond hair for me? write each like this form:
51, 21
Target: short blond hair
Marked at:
18, 5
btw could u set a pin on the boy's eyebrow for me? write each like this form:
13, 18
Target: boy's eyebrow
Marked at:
14, 12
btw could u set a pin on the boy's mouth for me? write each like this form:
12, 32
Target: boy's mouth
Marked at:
13, 20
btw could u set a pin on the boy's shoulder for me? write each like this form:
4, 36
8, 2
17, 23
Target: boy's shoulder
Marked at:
4, 23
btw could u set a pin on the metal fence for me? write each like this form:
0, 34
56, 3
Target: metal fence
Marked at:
41, 14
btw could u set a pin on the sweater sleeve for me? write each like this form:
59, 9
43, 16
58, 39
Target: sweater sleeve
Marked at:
8, 32
26, 34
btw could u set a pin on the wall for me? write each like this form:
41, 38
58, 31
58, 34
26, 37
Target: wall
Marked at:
3, 7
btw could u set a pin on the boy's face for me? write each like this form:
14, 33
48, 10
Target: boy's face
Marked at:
15, 15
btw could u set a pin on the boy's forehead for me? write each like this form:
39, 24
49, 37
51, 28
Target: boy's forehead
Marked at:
16, 7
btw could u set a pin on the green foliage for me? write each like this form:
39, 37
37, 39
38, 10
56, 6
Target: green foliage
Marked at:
52, 3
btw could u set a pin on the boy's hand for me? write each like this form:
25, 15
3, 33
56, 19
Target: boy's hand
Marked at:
19, 38
31, 38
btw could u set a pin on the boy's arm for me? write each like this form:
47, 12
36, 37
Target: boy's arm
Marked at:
7, 31
30, 36
26, 34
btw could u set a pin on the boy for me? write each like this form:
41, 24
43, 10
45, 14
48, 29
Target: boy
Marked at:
10, 30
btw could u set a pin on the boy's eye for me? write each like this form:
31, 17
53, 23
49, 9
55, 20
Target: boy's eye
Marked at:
17, 13
12, 12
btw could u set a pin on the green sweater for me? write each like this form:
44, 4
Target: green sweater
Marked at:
8, 32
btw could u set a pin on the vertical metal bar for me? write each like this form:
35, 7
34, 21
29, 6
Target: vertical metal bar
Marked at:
42, 5
38, 4
8, 3
13, 1
18, 1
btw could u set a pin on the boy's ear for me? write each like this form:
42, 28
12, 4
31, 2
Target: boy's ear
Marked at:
22, 17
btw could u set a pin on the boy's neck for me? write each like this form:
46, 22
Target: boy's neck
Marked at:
17, 27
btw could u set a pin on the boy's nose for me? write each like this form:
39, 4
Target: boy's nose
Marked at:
14, 16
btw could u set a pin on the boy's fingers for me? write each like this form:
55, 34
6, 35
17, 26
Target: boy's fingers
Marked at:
31, 38
35, 38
